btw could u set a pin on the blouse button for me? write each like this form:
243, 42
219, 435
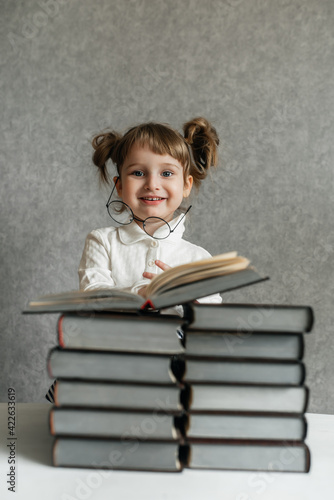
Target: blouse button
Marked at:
151, 263
154, 243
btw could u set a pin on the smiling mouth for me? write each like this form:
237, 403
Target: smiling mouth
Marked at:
152, 198
149, 198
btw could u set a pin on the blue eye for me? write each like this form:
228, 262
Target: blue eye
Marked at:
137, 173
167, 173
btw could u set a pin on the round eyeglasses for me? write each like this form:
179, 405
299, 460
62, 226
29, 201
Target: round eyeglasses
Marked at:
156, 227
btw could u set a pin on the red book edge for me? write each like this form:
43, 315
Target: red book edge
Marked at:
55, 395
51, 423
60, 332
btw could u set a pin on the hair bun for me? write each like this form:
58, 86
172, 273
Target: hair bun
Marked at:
203, 140
104, 145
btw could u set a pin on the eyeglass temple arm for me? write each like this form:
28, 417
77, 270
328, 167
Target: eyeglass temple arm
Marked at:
185, 213
112, 192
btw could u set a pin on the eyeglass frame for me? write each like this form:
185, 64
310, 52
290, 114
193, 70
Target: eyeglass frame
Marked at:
134, 218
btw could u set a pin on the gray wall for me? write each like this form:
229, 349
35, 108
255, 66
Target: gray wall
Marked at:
260, 70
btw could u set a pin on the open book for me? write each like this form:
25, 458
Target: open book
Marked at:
178, 285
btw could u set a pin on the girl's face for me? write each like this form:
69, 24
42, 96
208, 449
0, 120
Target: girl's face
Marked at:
152, 185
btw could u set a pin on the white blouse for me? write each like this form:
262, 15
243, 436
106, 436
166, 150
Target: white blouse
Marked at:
117, 257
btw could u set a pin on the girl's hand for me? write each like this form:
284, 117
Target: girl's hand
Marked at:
158, 263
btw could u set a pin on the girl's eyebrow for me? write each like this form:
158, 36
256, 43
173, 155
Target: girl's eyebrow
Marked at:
170, 165
138, 164
134, 164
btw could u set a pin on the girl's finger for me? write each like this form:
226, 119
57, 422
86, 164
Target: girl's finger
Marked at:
162, 265
149, 275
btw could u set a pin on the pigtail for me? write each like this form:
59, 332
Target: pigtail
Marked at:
104, 145
202, 139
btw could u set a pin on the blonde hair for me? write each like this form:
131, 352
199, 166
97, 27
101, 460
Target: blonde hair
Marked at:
196, 150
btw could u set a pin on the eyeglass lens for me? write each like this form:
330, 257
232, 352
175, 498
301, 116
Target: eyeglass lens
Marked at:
120, 212
153, 226
156, 227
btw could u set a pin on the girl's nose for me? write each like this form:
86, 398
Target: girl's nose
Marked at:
152, 183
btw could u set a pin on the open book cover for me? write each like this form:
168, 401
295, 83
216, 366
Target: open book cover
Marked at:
178, 285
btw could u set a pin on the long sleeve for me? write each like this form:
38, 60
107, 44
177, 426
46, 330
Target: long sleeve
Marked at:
94, 269
97, 265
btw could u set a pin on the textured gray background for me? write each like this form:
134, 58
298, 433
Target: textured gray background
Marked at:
260, 70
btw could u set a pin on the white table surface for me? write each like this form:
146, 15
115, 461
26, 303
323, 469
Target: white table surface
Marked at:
37, 479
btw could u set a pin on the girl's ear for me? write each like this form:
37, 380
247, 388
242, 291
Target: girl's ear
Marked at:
188, 184
118, 184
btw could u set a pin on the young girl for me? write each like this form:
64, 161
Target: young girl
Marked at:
156, 170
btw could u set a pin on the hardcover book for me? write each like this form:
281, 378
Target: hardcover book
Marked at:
134, 424
170, 456
177, 285
156, 368
248, 318
197, 398
152, 332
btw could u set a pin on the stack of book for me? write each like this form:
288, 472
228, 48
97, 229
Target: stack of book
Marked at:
221, 388
118, 400
247, 379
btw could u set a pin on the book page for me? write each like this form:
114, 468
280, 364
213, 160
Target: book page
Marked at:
79, 297
195, 271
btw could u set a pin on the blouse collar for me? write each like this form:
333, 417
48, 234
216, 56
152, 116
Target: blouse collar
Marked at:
132, 233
